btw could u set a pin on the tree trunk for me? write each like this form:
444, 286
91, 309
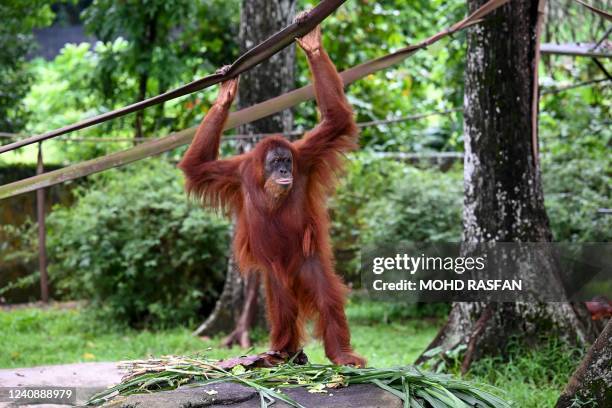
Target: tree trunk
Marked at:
142, 94
503, 199
240, 302
143, 78
592, 380
258, 20
226, 311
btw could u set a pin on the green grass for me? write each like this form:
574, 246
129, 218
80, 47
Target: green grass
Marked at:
29, 337
533, 377
32, 337
35, 337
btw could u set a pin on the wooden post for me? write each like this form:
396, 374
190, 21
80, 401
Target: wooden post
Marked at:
535, 102
42, 233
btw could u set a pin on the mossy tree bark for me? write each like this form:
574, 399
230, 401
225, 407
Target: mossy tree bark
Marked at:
592, 381
240, 306
503, 198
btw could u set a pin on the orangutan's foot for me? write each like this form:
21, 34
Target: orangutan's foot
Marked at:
267, 359
298, 357
349, 359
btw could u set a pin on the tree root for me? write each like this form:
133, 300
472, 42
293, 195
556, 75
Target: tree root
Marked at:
477, 331
241, 335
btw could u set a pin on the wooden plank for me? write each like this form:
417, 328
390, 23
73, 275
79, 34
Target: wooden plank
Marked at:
576, 50
418, 156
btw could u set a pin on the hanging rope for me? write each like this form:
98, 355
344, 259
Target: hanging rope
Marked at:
238, 118
596, 10
298, 132
271, 106
248, 60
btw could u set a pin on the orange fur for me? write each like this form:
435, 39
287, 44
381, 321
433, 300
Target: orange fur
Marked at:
286, 234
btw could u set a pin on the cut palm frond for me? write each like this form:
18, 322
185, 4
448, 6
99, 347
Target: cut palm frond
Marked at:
416, 388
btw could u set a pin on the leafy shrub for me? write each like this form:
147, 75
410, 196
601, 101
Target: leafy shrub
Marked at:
138, 249
576, 138
366, 177
424, 206
574, 190
134, 232
381, 201
19, 277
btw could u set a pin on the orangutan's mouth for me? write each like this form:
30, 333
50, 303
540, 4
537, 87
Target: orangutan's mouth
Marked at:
284, 181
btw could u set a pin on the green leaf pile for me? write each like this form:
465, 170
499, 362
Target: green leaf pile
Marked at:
416, 388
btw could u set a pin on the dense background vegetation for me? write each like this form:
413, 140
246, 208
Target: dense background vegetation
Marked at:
130, 231
134, 226
127, 237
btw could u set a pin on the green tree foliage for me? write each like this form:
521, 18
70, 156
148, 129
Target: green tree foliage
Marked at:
157, 44
137, 249
429, 80
378, 200
19, 18
85, 80
204, 37
61, 96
